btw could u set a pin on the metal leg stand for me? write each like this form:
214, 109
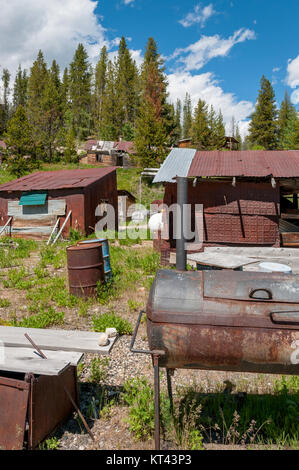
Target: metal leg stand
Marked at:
157, 401
169, 373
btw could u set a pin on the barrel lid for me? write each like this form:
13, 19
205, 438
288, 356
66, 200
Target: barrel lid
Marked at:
83, 246
224, 298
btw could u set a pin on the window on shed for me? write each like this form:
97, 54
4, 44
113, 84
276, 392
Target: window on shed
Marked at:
34, 202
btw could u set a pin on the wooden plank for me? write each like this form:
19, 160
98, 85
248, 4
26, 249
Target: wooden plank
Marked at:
53, 207
36, 221
13, 354
56, 340
221, 260
290, 216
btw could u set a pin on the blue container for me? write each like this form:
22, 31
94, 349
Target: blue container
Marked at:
106, 255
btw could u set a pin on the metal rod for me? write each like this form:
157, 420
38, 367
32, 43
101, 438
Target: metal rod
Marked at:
182, 200
169, 388
4, 227
157, 400
63, 225
35, 346
79, 413
55, 227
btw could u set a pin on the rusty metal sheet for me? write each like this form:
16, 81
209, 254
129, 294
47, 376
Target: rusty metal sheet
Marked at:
13, 409
248, 163
49, 405
46, 180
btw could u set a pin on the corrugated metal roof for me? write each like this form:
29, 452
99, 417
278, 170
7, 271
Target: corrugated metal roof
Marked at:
176, 164
62, 179
124, 146
253, 163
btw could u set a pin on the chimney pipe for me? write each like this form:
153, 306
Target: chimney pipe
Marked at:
182, 199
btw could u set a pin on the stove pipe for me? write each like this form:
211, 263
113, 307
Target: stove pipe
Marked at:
182, 199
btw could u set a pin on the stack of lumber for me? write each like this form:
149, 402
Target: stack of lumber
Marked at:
62, 348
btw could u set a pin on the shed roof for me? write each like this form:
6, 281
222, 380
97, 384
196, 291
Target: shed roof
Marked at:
61, 179
176, 164
253, 163
248, 163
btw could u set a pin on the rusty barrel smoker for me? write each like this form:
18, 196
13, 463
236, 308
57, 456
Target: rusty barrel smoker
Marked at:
222, 320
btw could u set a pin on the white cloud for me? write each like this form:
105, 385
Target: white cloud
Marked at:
293, 72
195, 56
56, 27
198, 16
292, 78
205, 86
276, 69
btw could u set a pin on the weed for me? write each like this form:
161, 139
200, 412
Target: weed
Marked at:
134, 305
4, 303
50, 444
139, 396
99, 369
18, 279
110, 320
46, 318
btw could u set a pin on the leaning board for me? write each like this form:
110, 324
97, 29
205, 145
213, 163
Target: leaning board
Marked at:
55, 340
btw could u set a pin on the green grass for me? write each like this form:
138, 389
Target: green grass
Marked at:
129, 179
110, 320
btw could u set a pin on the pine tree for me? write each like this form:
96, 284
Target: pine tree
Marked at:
263, 125
80, 92
200, 131
286, 119
6, 92
238, 137
99, 86
20, 89
21, 151
109, 119
178, 118
212, 123
154, 123
220, 131
35, 105
127, 86
187, 117
70, 154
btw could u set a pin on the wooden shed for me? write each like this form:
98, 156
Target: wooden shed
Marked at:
245, 195
36, 201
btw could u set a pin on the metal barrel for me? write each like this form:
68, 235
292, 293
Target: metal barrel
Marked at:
85, 269
106, 254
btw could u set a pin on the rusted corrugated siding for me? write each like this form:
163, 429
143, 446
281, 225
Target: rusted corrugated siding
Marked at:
247, 214
248, 163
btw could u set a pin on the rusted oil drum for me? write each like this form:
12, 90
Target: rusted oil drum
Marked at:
85, 269
225, 320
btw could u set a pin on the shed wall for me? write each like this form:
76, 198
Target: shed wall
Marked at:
247, 214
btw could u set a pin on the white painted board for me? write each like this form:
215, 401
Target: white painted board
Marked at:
56, 340
26, 361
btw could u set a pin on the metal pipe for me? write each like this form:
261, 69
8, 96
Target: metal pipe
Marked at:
157, 400
54, 228
182, 200
4, 227
63, 225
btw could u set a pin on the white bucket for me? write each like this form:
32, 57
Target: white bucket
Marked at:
274, 268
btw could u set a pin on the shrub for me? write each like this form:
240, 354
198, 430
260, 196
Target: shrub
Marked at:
110, 320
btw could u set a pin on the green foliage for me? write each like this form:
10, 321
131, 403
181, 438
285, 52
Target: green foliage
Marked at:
263, 125
47, 317
21, 149
50, 444
200, 131
138, 394
110, 320
99, 369
187, 117
4, 303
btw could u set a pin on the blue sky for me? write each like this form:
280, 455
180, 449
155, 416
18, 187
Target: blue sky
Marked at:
217, 50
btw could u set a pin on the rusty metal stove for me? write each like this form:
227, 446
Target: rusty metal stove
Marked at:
222, 320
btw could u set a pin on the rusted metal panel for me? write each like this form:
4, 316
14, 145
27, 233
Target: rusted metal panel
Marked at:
49, 405
248, 163
62, 179
13, 409
290, 239
245, 215
85, 269
225, 321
